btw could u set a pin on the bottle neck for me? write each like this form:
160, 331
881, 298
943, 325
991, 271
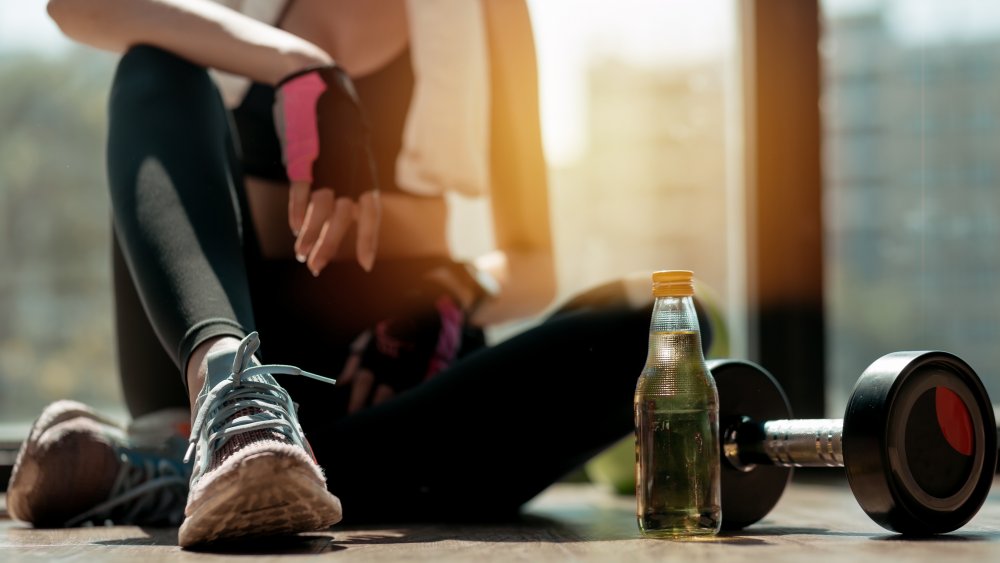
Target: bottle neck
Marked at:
675, 315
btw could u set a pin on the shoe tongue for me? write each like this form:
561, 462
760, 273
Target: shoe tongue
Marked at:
220, 366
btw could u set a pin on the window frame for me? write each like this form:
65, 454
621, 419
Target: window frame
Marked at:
783, 187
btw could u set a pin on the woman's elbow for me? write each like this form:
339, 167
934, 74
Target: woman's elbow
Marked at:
83, 21
61, 12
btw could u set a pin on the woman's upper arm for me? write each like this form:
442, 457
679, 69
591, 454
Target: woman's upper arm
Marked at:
201, 31
519, 190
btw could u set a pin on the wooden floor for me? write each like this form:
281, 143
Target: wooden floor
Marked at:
815, 519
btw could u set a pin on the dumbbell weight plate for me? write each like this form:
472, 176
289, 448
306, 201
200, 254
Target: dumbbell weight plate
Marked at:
920, 444
746, 389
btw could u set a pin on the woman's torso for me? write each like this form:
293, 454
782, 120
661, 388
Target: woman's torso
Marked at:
369, 39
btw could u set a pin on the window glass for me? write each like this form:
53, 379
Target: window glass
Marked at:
912, 207
642, 131
55, 296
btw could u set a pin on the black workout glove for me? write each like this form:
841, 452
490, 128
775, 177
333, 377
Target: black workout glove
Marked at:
404, 351
324, 132
401, 352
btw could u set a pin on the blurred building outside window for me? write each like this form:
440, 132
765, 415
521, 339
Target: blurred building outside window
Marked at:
911, 103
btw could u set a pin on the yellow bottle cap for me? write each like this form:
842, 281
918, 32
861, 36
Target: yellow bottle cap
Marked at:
673, 283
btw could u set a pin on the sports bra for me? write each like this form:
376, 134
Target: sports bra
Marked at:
385, 97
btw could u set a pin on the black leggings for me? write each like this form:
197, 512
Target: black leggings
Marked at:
478, 440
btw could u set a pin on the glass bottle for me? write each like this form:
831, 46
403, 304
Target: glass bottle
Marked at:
676, 420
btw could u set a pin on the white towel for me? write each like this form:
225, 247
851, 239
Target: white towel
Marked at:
446, 139
446, 136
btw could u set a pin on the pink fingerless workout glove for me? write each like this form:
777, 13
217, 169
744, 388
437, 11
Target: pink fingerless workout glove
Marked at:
324, 132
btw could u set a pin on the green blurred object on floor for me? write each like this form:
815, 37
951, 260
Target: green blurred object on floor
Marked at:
615, 466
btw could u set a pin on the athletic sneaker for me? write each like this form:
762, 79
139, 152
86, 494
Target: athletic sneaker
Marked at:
254, 473
78, 467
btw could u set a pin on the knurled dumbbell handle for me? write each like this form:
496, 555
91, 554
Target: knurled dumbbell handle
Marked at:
787, 443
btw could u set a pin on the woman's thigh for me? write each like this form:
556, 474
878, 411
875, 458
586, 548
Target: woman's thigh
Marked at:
495, 428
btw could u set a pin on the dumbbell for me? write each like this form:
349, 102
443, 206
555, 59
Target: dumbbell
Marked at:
918, 441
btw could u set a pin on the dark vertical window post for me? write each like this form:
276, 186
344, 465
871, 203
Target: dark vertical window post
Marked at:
783, 198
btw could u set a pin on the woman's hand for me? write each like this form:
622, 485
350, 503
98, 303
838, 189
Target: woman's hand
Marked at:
401, 352
325, 143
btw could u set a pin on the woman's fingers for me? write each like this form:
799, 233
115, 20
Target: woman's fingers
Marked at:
298, 200
320, 221
369, 217
331, 235
350, 370
360, 389
317, 212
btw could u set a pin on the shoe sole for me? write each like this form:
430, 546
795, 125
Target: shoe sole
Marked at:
265, 495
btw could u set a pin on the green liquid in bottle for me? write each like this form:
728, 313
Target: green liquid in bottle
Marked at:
677, 450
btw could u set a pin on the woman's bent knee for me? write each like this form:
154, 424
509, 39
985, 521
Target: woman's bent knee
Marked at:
148, 74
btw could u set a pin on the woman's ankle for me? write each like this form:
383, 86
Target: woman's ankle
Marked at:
197, 367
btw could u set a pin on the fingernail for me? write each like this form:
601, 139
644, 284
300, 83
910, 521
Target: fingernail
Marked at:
301, 258
368, 262
315, 271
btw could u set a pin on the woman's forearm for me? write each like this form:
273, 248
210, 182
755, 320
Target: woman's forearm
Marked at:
201, 31
524, 264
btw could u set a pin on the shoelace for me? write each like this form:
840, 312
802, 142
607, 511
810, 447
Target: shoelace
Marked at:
270, 406
149, 489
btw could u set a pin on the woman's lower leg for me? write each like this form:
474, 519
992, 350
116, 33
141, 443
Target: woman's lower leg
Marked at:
177, 201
